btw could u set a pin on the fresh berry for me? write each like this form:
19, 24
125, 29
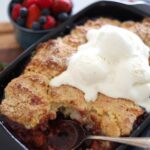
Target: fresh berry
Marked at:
63, 16
16, 11
31, 2
23, 12
50, 23
46, 12
33, 15
42, 20
36, 26
13, 4
62, 6
17, 1
20, 21
45, 3
25, 4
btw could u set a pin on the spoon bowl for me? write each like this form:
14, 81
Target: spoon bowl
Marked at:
79, 136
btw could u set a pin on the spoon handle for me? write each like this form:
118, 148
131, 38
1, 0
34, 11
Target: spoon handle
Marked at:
139, 142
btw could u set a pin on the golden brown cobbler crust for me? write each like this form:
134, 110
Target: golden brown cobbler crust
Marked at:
29, 99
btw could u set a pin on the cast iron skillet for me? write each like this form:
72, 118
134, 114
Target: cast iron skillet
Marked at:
118, 10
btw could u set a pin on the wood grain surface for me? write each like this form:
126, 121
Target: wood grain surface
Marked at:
9, 47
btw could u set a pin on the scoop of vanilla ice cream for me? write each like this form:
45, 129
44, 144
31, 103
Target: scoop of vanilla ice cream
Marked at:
114, 62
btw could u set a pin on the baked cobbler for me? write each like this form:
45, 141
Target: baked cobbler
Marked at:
33, 107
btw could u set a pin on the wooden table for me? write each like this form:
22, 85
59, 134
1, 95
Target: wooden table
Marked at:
9, 47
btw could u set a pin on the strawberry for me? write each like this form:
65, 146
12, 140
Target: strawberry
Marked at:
62, 6
16, 11
25, 4
30, 2
33, 15
50, 23
45, 3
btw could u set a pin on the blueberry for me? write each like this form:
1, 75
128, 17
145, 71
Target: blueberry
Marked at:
17, 1
21, 21
63, 16
36, 26
42, 20
23, 12
45, 12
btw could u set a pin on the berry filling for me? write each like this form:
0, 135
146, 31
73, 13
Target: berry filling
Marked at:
53, 135
57, 135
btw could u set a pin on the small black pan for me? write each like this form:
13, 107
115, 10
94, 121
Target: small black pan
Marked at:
119, 10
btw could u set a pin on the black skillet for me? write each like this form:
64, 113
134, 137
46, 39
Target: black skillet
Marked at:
119, 10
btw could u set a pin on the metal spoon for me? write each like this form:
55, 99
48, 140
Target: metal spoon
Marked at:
82, 137
138, 142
